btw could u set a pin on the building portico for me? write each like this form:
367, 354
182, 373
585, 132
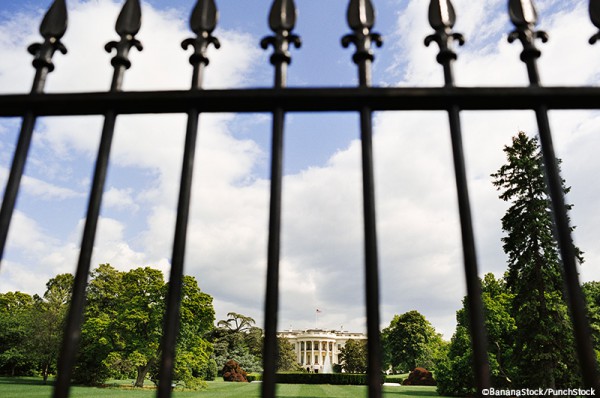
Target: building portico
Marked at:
317, 350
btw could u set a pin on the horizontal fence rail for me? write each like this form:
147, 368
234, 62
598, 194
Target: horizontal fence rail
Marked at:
278, 101
324, 99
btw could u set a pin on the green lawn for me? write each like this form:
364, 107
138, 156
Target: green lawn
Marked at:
33, 388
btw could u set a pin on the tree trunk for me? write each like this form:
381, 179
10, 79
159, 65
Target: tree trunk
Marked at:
141, 374
45, 373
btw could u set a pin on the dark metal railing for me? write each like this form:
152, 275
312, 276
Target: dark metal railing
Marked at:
279, 100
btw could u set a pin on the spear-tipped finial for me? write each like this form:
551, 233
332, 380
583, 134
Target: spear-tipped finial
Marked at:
127, 26
594, 9
442, 19
524, 16
52, 29
202, 22
282, 20
361, 18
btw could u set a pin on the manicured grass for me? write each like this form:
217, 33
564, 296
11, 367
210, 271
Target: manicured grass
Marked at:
33, 388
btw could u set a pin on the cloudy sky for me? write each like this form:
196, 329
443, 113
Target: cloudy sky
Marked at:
322, 249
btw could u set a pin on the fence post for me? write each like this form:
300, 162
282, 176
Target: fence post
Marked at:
127, 26
442, 18
361, 18
203, 22
282, 19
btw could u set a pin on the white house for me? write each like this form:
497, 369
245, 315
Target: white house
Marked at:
318, 349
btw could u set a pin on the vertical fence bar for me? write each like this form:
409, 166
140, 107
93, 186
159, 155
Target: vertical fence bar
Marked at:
52, 29
282, 19
361, 18
524, 16
442, 20
202, 22
127, 26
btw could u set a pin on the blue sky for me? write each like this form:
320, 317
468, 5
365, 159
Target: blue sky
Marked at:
321, 265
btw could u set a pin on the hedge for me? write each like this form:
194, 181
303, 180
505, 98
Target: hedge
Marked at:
254, 377
394, 378
325, 378
315, 378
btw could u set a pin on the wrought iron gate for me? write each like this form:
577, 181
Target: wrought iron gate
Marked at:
279, 100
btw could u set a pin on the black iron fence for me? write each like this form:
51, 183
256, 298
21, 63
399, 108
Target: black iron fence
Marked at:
279, 100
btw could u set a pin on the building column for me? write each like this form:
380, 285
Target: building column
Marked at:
320, 354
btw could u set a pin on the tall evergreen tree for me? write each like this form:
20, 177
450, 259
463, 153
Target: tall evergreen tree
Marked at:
544, 351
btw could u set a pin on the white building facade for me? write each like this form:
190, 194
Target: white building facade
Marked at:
317, 350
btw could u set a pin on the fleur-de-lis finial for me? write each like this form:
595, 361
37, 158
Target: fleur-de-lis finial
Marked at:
127, 26
524, 16
594, 10
361, 18
52, 29
442, 19
282, 20
202, 22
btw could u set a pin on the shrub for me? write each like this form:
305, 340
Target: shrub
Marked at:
233, 372
419, 377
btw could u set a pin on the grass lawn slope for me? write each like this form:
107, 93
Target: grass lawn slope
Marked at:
34, 388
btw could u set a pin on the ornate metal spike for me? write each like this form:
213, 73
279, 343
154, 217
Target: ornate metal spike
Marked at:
130, 18
524, 16
442, 18
127, 26
360, 14
55, 21
204, 17
441, 14
52, 29
282, 16
282, 20
361, 18
202, 22
594, 9
522, 12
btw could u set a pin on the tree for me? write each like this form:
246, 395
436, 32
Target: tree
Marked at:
286, 356
454, 373
410, 341
123, 327
237, 322
544, 351
48, 324
591, 290
236, 338
15, 321
353, 356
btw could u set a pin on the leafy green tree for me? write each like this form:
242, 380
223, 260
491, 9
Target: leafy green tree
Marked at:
123, 327
139, 319
99, 356
591, 290
410, 341
233, 345
15, 321
454, 373
353, 356
237, 322
48, 318
544, 350
286, 356
254, 338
